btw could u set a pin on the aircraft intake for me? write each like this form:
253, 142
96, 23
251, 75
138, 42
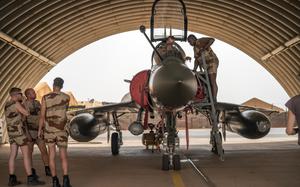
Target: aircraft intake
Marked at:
85, 127
172, 84
249, 124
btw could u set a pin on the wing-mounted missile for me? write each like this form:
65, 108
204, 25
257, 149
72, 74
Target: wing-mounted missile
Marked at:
85, 127
250, 124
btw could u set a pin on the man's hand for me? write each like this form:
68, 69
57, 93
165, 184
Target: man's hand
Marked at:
29, 138
290, 131
290, 123
40, 134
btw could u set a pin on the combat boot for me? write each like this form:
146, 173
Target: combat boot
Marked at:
34, 173
12, 181
66, 181
47, 171
33, 181
55, 182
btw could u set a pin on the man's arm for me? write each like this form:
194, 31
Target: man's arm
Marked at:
68, 102
21, 109
210, 41
290, 123
42, 117
204, 43
27, 132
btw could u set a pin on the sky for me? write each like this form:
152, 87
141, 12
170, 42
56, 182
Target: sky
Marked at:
97, 71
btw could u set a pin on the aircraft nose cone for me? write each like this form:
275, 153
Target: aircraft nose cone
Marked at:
173, 84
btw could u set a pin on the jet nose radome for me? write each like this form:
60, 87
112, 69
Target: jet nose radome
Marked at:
173, 84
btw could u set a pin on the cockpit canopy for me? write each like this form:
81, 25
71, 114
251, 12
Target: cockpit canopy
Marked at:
168, 18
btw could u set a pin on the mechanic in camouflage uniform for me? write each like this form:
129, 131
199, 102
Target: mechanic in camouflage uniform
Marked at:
15, 114
203, 45
54, 118
168, 48
33, 106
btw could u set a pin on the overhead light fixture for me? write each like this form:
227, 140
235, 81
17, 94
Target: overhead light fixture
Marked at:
268, 55
292, 41
279, 49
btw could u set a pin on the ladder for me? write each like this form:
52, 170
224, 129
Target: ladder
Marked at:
215, 135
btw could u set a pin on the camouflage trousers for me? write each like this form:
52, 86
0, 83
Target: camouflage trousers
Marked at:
19, 140
34, 137
212, 65
17, 135
59, 138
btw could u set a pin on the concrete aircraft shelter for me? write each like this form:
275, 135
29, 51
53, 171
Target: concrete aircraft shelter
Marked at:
37, 35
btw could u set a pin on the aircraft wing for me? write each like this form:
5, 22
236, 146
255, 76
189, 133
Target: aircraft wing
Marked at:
123, 107
222, 106
229, 106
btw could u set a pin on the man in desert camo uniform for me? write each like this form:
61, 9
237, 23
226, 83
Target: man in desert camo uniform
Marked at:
15, 114
53, 117
33, 106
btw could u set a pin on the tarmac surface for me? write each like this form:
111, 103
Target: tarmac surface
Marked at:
270, 161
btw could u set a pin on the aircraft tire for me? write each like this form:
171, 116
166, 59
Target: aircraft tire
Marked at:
176, 162
165, 162
115, 143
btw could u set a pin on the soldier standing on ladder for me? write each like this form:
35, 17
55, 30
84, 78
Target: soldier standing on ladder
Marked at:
203, 45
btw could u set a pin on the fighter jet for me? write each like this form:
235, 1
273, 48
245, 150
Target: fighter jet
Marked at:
168, 89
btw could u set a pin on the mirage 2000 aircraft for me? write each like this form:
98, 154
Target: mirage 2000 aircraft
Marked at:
168, 89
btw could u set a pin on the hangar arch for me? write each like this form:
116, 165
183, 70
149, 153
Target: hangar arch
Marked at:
36, 35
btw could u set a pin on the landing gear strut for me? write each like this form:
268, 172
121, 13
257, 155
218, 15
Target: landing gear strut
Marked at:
216, 142
171, 158
215, 134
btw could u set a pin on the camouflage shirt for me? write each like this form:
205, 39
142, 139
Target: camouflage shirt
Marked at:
34, 108
56, 109
13, 118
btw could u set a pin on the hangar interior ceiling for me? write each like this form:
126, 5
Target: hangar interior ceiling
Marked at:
36, 35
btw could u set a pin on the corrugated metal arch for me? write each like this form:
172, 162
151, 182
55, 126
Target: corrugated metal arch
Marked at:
52, 30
